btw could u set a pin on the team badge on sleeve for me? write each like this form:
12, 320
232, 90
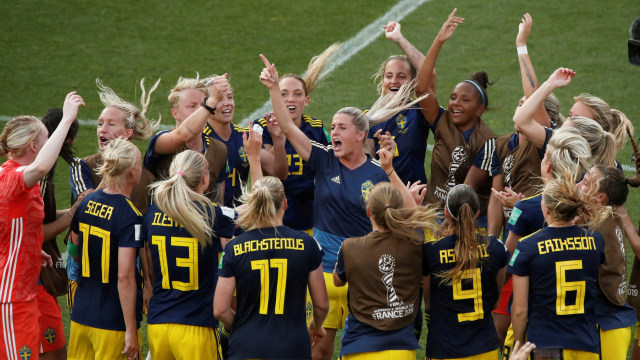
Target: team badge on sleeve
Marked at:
515, 214
220, 262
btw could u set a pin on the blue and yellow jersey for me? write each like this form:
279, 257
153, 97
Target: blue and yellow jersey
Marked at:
271, 267
526, 216
237, 161
104, 223
299, 184
185, 271
339, 209
410, 131
461, 311
562, 265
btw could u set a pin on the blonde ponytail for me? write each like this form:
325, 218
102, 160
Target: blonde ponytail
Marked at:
263, 203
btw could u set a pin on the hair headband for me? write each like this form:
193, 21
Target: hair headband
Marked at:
484, 100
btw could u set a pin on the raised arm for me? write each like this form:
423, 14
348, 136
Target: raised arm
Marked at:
529, 78
299, 141
386, 163
192, 126
252, 145
274, 157
47, 156
427, 70
393, 33
524, 116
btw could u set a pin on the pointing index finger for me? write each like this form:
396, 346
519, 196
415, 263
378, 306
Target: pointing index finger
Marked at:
266, 62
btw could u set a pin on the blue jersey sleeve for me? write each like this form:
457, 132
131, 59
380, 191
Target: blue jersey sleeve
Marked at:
225, 224
151, 158
483, 159
80, 178
340, 266
226, 268
495, 164
266, 135
319, 156
519, 260
548, 133
130, 231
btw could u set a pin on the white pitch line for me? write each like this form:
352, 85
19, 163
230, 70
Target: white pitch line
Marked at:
352, 46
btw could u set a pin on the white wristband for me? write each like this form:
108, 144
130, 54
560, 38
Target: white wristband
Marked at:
522, 50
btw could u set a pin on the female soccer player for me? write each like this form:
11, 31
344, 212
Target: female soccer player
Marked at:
344, 175
186, 99
555, 272
30, 157
220, 127
52, 338
464, 272
607, 186
182, 230
603, 144
298, 185
464, 144
106, 230
119, 119
270, 266
384, 270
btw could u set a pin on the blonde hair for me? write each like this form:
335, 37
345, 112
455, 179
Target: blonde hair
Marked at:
314, 69
387, 209
134, 119
184, 84
176, 196
552, 107
384, 108
18, 133
568, 153
263, 203
117, 158
611, 120
462, 204
602, 143
562, 198
380, 73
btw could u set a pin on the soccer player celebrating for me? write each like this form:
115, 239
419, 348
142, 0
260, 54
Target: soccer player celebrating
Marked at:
106, 230
555, 272
270, 267
182, 230
464, 272
344, 175
30, 157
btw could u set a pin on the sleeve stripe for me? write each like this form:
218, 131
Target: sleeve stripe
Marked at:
320, 146
489, 148
76, 176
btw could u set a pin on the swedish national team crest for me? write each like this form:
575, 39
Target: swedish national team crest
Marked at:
25, 353
401, 121
50, 335
366, 188
309, 310
243, 156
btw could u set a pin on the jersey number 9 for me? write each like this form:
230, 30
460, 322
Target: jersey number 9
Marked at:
475, 293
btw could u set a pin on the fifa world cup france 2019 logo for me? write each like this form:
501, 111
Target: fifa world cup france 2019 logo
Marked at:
366, 188
386, 265
458, 156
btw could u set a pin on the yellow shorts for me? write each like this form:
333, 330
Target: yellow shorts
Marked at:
491, 355
87, 342
568, 354
177, 341
636, 335
71, 293
338, 308
383, 355
508, 343
614, 344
